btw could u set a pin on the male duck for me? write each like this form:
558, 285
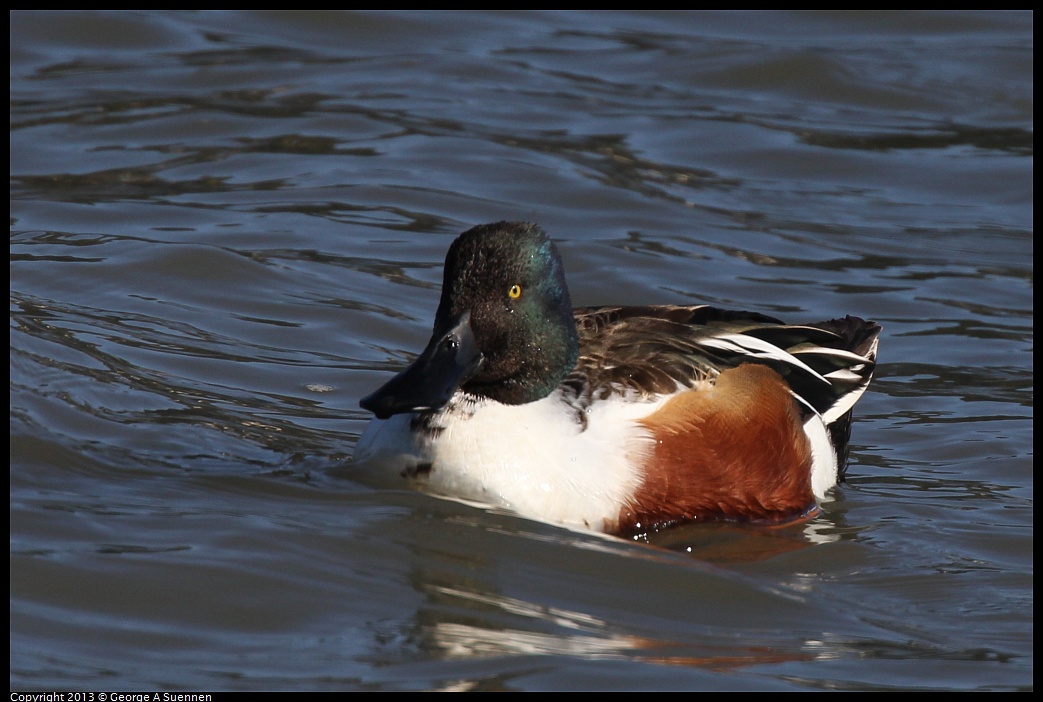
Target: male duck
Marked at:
617, 419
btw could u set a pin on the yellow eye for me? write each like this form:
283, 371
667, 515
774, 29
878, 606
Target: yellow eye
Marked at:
515, 292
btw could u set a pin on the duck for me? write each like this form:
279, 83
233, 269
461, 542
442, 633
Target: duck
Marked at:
625, 420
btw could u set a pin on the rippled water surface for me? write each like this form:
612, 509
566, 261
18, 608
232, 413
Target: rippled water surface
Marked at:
226, 227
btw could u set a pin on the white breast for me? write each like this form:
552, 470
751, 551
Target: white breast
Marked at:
534, 459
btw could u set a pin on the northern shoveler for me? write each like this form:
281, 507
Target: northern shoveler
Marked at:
617, 419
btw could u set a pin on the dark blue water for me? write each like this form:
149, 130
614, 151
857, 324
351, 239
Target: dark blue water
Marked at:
227, 227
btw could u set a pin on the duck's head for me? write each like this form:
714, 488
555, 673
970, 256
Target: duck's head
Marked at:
504, 329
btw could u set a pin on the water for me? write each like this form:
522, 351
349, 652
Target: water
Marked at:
226, 227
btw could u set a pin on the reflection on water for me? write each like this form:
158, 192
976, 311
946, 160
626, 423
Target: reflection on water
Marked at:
725, 542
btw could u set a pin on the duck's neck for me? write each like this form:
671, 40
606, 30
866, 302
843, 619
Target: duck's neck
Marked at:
529, 372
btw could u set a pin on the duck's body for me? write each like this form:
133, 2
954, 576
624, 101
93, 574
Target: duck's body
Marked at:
617, 419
